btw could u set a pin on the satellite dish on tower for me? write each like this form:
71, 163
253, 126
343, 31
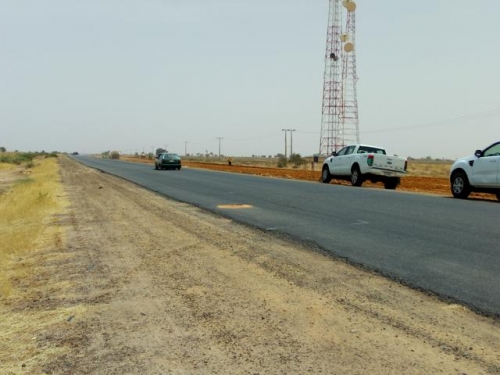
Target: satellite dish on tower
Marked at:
348, 47
345, 2
351, 6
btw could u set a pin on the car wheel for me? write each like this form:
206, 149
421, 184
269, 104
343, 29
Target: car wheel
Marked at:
326, 177
156, 166
460, 187
179, 168
356, 177
391, 183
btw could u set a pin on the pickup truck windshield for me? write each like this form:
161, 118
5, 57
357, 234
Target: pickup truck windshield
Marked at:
370, 150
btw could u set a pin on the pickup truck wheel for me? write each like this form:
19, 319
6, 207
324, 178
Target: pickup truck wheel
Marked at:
356, 177
391, 183
156, 166
460, 187
326, 177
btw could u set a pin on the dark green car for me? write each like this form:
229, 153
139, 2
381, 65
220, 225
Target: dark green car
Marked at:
168, 161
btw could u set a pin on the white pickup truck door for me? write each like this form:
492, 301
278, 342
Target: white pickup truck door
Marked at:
486, 169
335, 164
346, 162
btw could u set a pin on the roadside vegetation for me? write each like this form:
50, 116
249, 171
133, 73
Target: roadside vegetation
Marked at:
31, 197
19, 158
26, 207
110, 155
429, 168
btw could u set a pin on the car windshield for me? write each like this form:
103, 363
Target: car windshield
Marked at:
171, 156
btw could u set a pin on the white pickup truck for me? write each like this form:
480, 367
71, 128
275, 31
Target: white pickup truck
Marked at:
479, 172
358, 163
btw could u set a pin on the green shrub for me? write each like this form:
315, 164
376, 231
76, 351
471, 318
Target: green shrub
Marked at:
160, 150
282, 162
115, 155
24, 157
297, 160
17, 158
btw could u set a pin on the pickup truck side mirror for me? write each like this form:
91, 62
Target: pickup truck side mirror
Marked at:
478, 153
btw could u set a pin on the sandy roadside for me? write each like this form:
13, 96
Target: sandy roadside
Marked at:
161, 287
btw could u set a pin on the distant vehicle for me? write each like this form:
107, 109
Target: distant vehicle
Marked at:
168, 161
75, 153
358, 163
479, 173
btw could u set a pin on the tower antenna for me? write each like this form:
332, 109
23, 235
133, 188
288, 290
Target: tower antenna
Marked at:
339, 116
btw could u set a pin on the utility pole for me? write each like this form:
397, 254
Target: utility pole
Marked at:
220, 138
285, 130
291, 142
185, 148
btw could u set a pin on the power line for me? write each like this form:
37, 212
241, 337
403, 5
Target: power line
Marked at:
447, 122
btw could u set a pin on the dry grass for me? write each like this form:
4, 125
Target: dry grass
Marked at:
425, 168
28, 227
24, 338
25, 209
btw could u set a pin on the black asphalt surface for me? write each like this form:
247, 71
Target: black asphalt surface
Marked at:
442, 245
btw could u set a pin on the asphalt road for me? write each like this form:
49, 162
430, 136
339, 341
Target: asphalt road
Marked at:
443, 245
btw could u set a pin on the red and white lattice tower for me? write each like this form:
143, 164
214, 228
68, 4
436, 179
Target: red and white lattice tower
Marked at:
339, 121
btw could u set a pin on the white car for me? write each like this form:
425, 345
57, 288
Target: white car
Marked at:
479, 173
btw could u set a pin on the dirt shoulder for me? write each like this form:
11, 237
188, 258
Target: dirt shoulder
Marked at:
153, 286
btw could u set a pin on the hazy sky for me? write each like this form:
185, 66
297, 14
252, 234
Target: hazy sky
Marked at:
97, 75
